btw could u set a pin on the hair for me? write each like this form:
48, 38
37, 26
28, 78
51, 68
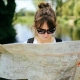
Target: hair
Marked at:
45, 14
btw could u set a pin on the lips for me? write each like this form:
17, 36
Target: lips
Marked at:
45, 37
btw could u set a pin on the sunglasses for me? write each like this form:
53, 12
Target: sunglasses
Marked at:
43, 31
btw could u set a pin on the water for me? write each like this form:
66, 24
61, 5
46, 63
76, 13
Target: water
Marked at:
23, 33
66, 38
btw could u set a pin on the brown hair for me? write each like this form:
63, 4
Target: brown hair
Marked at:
45, 14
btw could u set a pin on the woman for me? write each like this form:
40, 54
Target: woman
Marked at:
44, 25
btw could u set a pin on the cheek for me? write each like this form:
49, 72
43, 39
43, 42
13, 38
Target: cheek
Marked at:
41, 35
50, 34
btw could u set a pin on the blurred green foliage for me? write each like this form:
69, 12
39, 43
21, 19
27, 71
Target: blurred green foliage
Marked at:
67, 11
27, 20
26, 17
77, 22
77, 9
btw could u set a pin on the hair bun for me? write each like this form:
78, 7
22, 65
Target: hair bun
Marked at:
44, 5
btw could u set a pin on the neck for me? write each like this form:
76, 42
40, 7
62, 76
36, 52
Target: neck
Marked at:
44, 41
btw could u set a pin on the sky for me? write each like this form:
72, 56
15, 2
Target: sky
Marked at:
28, 4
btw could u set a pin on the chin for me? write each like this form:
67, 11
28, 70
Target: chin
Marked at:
45, 38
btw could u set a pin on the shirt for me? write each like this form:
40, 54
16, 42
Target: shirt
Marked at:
36, 42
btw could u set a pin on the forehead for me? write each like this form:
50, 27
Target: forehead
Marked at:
44, 26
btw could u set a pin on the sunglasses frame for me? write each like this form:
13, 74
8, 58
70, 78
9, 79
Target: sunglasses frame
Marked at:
49, 31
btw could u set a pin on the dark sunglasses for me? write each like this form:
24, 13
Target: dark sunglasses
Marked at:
43, 31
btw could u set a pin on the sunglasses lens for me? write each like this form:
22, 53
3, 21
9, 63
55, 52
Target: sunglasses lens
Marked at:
51, 31
41, 31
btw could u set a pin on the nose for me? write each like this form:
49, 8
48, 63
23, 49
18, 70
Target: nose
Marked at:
46, 34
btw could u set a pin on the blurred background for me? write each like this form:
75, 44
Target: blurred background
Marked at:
17, 18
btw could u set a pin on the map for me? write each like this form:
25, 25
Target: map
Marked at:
40, 61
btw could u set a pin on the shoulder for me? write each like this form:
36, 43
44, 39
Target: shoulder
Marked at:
58, 40
30, 40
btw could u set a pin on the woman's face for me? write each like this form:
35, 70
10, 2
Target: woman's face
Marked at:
45, 36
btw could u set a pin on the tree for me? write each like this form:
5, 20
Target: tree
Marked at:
67, 8
7, 32
77, 9
58, 4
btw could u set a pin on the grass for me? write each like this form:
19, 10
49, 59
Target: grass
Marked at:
27, 20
